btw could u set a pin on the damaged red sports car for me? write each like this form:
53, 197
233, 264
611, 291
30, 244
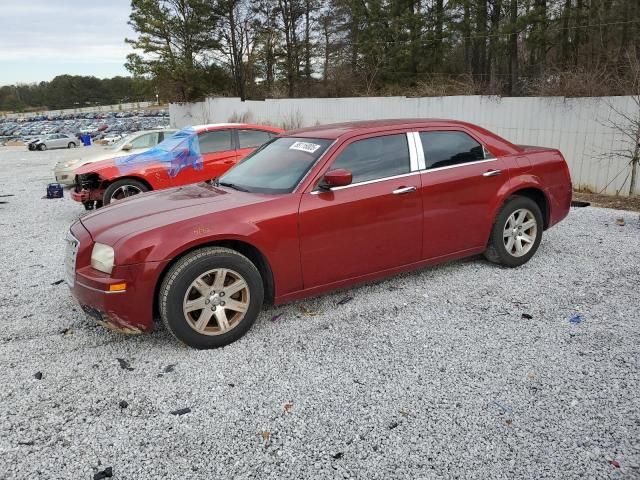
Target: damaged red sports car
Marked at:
311, 211
191, 155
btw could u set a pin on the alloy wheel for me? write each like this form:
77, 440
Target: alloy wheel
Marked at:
216, 302
519, 232
125, 191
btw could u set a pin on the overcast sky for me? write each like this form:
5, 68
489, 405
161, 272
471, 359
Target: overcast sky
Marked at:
40, 39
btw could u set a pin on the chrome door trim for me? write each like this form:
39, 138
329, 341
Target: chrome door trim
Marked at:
368, 182
492, 173
459, 165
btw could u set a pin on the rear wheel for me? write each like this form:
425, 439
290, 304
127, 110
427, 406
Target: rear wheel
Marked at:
42, 147
211, 297
124, 188
516, 233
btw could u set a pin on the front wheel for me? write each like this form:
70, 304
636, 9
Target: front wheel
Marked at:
211, 297
122, 189
71, 145
42, 147
516, 233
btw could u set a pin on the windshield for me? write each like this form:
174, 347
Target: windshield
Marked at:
277, 166
121, 142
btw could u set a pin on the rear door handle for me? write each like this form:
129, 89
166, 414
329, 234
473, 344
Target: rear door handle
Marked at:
403, 190
492, 173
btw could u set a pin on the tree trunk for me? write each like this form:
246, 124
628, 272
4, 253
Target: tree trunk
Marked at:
307, 41
566, 34
438, 32
513, 48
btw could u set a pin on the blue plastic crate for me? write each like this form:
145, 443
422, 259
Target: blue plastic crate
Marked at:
54, 190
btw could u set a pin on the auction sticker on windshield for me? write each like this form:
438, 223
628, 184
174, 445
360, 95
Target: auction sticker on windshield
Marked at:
305, 147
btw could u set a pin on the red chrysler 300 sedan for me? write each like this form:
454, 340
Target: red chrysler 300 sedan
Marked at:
311, 211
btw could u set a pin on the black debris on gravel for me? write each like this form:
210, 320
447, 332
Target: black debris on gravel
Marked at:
344, 300
106, 473
181, 411
124, 364
170, 368
38, 376
57, 282
527, 316
123, 404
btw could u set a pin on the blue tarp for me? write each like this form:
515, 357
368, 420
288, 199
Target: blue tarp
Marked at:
177, 152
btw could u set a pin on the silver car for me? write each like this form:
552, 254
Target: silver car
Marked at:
135, 143
57, 140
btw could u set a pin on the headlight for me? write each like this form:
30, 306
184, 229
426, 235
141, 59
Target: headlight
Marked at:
102, 257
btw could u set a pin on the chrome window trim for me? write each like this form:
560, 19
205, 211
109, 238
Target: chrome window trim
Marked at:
422, 165
368, 182
413, 152
458, 165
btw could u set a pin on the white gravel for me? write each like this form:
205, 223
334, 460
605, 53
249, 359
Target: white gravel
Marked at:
433, 374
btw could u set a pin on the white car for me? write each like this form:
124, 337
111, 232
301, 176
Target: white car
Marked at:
57, 140
135, 143
110, 139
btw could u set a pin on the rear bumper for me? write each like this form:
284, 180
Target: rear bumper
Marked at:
64, 176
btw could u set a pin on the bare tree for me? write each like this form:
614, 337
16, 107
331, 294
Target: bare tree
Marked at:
627, 123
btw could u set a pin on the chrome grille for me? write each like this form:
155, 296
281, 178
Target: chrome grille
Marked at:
71, 253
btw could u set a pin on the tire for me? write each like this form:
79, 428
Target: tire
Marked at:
42, 147
71, 145
178, 288
126, 187
507, 232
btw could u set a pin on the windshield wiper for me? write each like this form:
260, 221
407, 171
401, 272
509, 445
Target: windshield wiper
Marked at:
230, 185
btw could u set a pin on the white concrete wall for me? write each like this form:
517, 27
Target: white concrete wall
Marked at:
574, 125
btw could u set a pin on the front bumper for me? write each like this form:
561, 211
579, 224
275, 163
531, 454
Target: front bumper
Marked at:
128, 311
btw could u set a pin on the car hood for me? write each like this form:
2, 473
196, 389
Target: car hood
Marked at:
94, 166
98, 156
153, 210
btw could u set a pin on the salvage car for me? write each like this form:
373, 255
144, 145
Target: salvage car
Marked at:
191, 155
311, 211
55, 140
135, 143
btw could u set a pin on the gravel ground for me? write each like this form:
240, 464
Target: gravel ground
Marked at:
466, 370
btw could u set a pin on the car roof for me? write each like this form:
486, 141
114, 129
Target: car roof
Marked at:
350, 129
142, 132
215, 126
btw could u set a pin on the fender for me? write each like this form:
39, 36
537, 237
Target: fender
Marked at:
520, 182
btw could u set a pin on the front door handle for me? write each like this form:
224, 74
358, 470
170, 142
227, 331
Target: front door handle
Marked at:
492, 173
403, 190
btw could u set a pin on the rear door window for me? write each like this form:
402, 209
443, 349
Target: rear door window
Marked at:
447, 148
216, 141
375, 158
253, 138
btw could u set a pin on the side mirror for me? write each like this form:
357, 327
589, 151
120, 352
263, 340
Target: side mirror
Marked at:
127, 146
336, 178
